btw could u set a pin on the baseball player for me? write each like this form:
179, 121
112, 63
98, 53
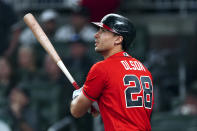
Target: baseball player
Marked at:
120, 84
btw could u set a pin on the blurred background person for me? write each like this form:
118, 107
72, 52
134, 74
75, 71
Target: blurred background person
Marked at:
48, 19
78, 63
189, 105
26, 64
18, 114
9, 29
47, 91
6, 80
50, 71
77, 28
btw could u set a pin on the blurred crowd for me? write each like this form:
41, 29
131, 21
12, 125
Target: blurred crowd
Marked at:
34, 93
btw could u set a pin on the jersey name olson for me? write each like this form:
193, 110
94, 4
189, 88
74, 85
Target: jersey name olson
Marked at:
132, 65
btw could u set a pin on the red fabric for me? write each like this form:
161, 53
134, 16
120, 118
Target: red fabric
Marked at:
105, 85
99, 8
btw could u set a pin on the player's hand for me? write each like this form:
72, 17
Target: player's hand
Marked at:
95, 113
95, 110
76, 93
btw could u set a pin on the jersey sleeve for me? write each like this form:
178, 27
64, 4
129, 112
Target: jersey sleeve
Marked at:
95, 82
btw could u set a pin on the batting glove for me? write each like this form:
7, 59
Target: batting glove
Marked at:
94, 108
76, 93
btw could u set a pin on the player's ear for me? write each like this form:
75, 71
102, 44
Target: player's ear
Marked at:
118, 40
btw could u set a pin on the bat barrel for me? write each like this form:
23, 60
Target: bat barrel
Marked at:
41, 36
47, 45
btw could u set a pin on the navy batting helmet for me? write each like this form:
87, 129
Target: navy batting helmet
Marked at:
119, 25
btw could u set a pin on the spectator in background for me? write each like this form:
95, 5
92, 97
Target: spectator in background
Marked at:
9, 31
189, 105
77, 28
5, 72
50, 71
48, 22
26, 69
6, 80
18, 114
14, 40
46, 92
79, 63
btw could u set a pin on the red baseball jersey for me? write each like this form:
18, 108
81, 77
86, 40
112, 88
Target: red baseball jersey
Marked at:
123, 88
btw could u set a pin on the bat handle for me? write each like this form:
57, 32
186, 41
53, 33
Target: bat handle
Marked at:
75, 85
66, 72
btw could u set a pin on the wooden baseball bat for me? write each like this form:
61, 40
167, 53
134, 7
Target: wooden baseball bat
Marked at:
46, 44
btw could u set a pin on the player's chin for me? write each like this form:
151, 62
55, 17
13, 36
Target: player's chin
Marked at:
97, 49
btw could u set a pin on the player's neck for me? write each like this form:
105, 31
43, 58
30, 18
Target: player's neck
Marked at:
111, 52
